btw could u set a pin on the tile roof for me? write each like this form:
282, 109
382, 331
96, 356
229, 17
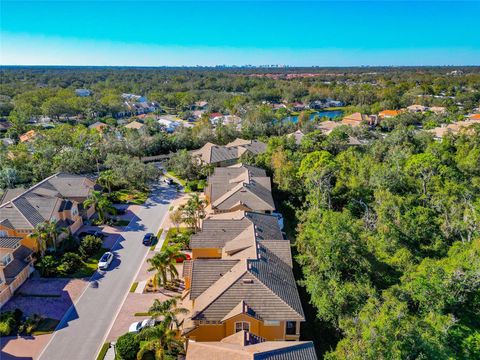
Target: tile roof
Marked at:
18, 264
217, 233
9, 242
267, 285
240, 184
46, 198
205, 272
211, 153
268, 350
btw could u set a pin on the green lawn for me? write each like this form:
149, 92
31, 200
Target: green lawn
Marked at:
129, 196
46, 326
172, 232
89, 266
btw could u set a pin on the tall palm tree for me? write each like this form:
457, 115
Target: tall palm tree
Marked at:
40, 234
54, 231
164, 264
107, 179
101, 204
176, 218
168, 311
194, 211
161, 340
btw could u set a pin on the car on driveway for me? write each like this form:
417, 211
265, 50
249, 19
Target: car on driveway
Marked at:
96, 233
181, 259
105, 261
138, 326
148, 239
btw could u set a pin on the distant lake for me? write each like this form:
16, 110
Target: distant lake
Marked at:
321, 114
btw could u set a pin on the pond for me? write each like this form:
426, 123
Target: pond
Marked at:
330, 114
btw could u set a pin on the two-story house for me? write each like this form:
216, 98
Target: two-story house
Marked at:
239, 187
57, 198
241, 278
16, 265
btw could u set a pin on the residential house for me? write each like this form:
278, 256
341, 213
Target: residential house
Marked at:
217, 155
474, 117
357, 119
7, 141
298, 106
16, 265
439, 110
5, 125
83, 92
171, 123
388, 114
417, 108
235, 237
239, 187
136, 125
454, 128
200, 105
297, 135
257, 294
28, 136
99, 126
57, 198
243, 345
326, 127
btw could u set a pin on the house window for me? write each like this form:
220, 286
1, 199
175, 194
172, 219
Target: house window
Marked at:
3, 233
271, 323
242, 325
7, 259
291, 328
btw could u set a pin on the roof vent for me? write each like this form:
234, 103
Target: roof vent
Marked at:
247, 281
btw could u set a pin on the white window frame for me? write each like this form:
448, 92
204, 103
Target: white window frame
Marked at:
271, 323
242, 323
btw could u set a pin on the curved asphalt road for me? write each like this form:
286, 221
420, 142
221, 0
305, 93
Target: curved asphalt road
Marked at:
84, 327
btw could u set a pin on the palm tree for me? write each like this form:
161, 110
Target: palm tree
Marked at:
101, 205
168, 311
164, 264
176, 218
161, 340
40, 234
107, 179
53, 232
194, 211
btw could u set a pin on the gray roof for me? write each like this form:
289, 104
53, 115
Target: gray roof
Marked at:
9, 194
46, 198
17, 264
248, 185
266, 285
216, 233
9, 242
211, 153
296, 351
206, 272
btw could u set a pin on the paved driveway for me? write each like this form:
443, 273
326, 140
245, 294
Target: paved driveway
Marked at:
84, 328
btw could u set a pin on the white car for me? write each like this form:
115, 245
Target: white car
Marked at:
139, 325
105, 261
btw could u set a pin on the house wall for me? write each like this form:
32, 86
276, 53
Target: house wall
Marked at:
76, 225
5, 294
208, 332
207, 253
24, 234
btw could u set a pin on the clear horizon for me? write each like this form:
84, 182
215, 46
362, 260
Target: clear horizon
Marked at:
232, 33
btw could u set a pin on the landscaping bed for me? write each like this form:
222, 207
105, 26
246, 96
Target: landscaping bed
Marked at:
16, 323
180, 236
129, 196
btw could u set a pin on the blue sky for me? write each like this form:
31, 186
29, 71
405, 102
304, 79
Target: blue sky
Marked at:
156, 33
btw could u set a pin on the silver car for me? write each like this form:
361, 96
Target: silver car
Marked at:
105, 261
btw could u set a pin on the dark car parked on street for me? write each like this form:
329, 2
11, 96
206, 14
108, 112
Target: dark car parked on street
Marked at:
148, 239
